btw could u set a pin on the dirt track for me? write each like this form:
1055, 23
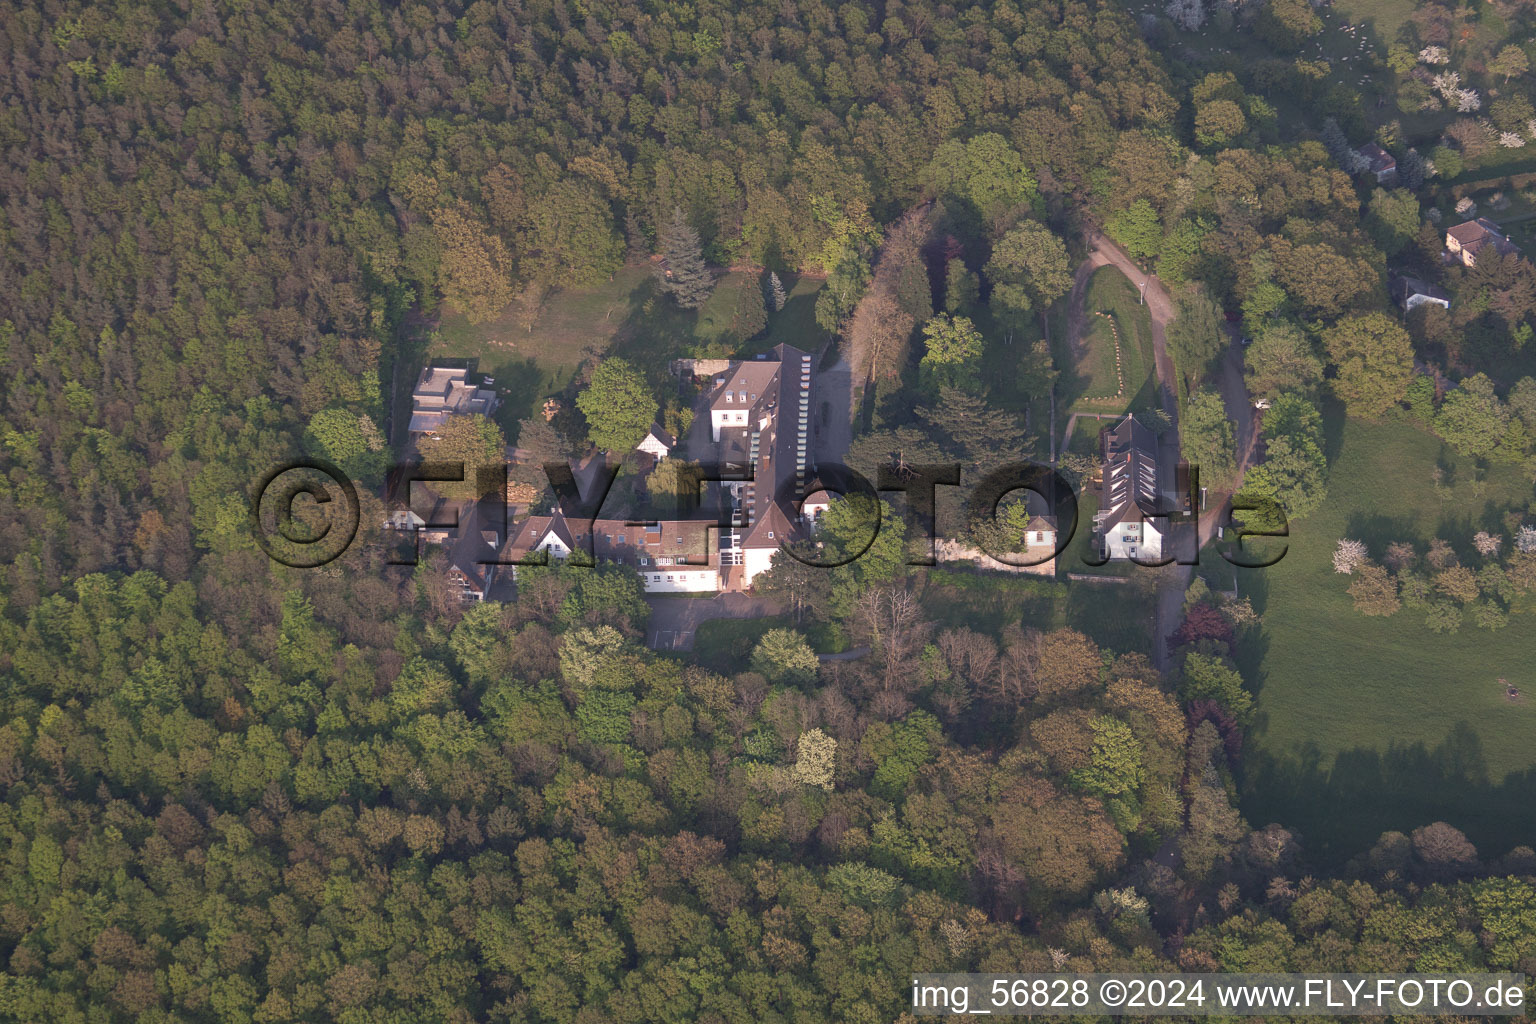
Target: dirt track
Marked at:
1234, 393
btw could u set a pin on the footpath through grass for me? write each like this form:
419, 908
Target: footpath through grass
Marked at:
1370, 724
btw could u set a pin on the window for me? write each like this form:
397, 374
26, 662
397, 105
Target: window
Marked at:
741, 396
770, 535
669, 579
646, 561
655, 579
728, 396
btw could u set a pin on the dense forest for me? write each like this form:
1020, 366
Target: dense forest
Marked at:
239, 792
215, 819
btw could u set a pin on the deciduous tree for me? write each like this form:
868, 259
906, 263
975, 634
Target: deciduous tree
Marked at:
618, 405
1373, 357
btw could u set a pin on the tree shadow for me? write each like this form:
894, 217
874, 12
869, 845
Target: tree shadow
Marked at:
1342, 808
798, 309
1378, 530
521, 383
1250, 650
1334, 419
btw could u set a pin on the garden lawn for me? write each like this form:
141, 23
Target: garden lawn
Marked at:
1095, 381
626, 316
1368, 724
1384, 16
1114, 615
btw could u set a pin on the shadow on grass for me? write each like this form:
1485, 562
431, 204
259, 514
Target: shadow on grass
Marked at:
522, 385
1252, 645
1342, 809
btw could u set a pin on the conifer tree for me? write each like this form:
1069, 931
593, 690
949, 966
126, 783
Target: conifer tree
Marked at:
683, 274
776, 296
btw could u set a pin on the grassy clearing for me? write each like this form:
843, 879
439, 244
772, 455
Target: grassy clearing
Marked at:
625, 316
1356, 67
1385, 17
1091, 384
1369, 724
722, 645
1114, 614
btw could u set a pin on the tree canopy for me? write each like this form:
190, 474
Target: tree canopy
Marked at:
618, 405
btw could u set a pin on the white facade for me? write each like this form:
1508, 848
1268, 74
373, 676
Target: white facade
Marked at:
670, 580
1416, 299
1133, 540
653, 446
405, 519
721, 418
754, 561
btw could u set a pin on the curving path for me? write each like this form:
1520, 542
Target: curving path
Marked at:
1234, 392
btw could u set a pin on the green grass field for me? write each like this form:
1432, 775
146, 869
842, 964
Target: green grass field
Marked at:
1091, 384
723, 645
1385, 17
626, 316
1116, 616
1113, 614
1369, 724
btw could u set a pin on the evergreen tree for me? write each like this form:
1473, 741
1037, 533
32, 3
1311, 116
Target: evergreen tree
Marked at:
538, 443
1411, 171
776, 296
961, 289
683, 274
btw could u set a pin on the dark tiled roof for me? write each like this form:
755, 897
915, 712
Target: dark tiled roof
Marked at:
1129, 492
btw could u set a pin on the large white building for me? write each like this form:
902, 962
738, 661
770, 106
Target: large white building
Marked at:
760, 420
443, 392
1128, 500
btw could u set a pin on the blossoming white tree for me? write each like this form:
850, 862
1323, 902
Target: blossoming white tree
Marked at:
1349, 555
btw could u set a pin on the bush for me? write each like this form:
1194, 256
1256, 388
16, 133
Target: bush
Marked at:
1374, 591
783, 656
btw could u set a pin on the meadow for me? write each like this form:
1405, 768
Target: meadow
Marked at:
626, 316
1370, 724
1094, 381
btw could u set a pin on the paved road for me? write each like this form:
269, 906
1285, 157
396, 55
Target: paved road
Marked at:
833, 398
675, 620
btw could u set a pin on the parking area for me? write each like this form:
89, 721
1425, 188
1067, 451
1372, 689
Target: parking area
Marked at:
671, 639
